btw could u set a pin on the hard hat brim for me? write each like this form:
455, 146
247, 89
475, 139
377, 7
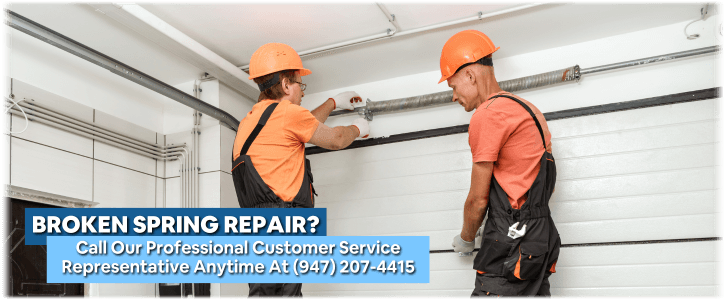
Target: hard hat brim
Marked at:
303, 72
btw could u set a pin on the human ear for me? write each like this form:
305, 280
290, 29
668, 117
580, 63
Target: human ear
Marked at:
470, 77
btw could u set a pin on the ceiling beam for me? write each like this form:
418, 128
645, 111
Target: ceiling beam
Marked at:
155, 29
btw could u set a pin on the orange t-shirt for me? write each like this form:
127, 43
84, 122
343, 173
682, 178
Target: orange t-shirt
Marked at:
278, 151
503, 132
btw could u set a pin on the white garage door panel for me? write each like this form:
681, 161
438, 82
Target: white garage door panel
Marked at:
692, 156
111, 187
449, 224
692, 292
386, 206
687, 203
700, 132
390, 151
672, 291
399, 224
49, 170
636, 118
452, 275
638, 175
418, 184
698, 179
664, 228
687, 274
391, 168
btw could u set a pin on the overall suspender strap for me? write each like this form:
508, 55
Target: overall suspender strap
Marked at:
261, 123
531, 113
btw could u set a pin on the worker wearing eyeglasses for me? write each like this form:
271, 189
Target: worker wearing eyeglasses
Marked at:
269, 167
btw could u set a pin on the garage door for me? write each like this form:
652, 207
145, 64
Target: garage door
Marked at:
634, 201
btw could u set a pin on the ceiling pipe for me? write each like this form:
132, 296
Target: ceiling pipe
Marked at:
157, 30
397, 31
71, 46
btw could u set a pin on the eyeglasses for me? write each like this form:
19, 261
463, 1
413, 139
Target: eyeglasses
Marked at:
302, 85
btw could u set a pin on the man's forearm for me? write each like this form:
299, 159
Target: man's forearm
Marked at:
323, 111
474, 211
347, 134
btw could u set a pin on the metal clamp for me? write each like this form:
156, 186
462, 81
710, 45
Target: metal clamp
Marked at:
365, 112
577, 73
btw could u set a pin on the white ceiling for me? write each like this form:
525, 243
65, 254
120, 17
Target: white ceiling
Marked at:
235, 31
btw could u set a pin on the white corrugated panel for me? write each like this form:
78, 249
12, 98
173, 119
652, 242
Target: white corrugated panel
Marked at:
641, 269
638, 175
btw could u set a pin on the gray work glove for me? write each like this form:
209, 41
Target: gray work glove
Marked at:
461, 246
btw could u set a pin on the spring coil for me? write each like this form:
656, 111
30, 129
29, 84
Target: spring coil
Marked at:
519, 84
544, 79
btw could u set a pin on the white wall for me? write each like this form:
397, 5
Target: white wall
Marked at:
51, 160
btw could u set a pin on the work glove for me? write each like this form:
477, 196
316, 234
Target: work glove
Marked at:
461, 246
362, 125
345, 100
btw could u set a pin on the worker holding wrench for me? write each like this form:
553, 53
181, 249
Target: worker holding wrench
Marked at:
512, 177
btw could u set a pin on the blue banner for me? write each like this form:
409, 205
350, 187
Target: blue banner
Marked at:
242, 259
177, 222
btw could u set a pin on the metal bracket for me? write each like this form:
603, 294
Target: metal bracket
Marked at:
463, 254
577, 74
365, 112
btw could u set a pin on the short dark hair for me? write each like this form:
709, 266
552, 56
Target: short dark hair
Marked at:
485, 61
275, 92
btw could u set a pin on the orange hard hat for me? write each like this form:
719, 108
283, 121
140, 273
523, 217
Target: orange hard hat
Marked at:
274, 57
467, 46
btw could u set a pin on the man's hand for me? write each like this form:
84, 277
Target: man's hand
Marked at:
345, 100
362, 125
461, 246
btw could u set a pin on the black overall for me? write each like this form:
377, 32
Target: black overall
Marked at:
253, 192
519, 267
